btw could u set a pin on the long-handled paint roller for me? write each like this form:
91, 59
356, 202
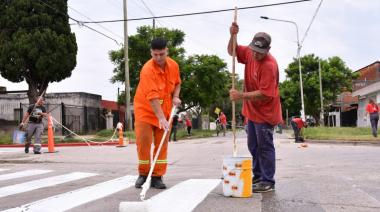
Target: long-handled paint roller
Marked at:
144, 205
233, 86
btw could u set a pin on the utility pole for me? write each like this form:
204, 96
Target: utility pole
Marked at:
322, 116
128, 117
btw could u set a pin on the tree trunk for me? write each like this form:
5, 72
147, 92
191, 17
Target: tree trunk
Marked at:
35, 90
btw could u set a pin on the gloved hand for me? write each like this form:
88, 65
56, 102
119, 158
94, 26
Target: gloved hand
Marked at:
163, 124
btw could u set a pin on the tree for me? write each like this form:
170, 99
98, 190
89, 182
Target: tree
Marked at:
336, 77
36, 43
139, 53
205, 81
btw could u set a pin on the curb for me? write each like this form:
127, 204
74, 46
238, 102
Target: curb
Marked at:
355, 143
65, 144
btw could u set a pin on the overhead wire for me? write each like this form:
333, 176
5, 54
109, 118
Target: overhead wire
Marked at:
80, 23
194, 13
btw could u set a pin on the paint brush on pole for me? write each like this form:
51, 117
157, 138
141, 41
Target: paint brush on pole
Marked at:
233, 87
144, 205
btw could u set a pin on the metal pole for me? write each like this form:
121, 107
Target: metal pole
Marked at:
322, 116
128, 117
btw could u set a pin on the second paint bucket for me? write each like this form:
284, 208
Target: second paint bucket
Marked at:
237, 176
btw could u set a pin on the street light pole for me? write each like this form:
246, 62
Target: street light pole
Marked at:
298, 58
128, 116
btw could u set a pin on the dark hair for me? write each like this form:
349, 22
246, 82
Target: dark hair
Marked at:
158, 43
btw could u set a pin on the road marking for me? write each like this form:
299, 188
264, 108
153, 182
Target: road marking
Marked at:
1, 170
183, 197
42, 183
66, 201
23, 174
11, 150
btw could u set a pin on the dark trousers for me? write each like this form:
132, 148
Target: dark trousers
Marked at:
174, 133
189, 130
261, 147
296, 131
374, 118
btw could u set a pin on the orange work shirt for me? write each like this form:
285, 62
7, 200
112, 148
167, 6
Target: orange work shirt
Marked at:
155, 83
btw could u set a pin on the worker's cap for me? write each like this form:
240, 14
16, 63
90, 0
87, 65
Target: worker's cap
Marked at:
260, 43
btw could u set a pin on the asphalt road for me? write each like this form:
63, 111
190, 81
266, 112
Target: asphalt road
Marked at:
321, 177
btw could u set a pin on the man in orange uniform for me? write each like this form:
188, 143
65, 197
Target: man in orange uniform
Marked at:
157, 92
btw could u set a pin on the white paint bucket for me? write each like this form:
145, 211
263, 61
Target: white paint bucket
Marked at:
19, 137
237, 176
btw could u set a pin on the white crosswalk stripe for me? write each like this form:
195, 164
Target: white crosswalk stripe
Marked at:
25, 173
43, 183
183, 197
78, 197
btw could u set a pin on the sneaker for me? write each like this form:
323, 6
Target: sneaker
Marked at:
27, 145
255, 180
37, 152
262, 187
157, 183
140, 181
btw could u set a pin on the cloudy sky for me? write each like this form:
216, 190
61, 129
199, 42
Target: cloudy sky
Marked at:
345, 28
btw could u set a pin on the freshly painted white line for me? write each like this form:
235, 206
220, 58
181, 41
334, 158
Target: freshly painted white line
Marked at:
11, 150
42, 183
66, 201
183, 197
25, 173
1, 170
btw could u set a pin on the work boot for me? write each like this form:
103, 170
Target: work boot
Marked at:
37, 152
262, 187
157, 183
27, 145
140, 181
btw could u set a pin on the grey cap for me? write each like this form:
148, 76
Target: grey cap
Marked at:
260, 43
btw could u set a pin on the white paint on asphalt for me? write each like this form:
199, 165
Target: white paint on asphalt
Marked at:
1, 170
43, 183
11, 150
20, 174
184, 196
66, 201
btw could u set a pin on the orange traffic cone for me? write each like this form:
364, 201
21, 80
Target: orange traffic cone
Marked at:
121, 137
50, 135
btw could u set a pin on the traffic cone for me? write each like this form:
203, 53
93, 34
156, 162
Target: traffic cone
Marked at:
50, 135
121, 137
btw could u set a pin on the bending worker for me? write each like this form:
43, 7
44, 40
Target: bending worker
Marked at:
297, 125
157, 92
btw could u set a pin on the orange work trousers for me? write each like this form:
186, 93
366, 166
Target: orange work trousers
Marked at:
145, 133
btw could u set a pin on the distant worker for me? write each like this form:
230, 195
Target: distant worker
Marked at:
189, 125
373, 110
35, 128
158, 90
223, 122
174, 128
298, 125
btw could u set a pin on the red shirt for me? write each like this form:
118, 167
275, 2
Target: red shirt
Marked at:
188, 122
299, 122
372, 108
223, 119
261, 75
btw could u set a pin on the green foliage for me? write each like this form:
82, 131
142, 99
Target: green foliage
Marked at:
339, 133
336, 77
5, 138
139, 53
36, 43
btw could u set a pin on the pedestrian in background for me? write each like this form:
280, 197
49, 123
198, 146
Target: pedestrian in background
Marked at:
158, 90
261, 104
223, 122
188, 124
298, 124
35, 128
174, 128
373, 110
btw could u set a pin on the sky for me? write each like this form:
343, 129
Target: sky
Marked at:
345, 28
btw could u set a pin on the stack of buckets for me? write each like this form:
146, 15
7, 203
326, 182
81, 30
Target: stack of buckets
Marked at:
237, 176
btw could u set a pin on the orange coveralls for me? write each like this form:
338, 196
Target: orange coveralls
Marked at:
154, 84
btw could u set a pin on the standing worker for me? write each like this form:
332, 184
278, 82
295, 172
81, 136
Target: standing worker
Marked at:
157, 92
298, 124
188, 123
173, 131
261, 104
35, 114
373, 110
223, 122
